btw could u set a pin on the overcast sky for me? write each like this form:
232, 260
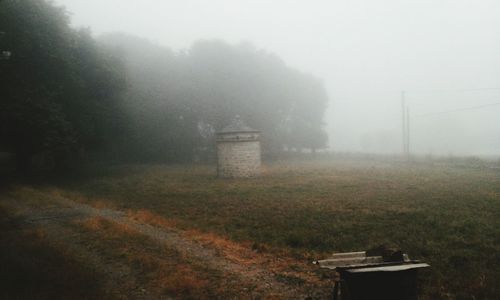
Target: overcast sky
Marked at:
366, 51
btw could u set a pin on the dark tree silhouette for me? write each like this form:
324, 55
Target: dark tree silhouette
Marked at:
65, 96
58, 90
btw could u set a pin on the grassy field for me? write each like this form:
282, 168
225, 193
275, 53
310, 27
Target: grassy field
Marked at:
448, 216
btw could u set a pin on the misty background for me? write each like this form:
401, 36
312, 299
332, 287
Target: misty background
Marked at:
366, 52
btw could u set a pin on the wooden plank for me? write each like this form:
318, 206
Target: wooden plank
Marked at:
333, 263
349, 255
389, 268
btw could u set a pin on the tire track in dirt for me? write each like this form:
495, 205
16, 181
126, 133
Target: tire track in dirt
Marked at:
119, 279
116, 274
250, 275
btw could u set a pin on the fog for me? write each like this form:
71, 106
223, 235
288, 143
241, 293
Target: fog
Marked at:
444, 54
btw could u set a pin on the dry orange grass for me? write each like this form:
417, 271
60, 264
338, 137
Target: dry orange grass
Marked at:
181, 280
112, 229
242, 253
239, 252
161, 270
149, 217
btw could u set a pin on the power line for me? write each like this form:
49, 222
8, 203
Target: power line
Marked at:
458, 110
406, 114
443, 91
453, 90
414, 93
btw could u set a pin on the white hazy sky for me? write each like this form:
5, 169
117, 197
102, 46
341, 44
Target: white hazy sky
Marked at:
367, 52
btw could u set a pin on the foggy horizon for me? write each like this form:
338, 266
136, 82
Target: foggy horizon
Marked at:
366, 53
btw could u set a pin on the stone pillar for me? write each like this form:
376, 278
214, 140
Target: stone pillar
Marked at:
238, 151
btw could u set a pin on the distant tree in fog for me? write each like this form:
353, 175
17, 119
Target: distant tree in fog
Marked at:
176, 98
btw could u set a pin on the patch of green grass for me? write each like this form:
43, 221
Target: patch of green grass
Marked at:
445, 215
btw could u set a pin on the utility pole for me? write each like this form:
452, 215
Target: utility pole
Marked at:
403, 116
408, 132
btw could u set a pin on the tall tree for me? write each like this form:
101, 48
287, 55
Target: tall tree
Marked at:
58, 89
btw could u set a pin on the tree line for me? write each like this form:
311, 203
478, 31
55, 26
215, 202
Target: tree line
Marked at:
67, 98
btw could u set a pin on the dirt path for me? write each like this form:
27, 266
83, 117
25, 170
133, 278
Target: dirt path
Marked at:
259, 280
